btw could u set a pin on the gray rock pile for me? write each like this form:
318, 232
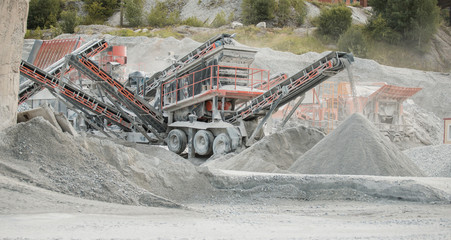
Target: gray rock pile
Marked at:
37, 153
356, 147
273, 153
435, 161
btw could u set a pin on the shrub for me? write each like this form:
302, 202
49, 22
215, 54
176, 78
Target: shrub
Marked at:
99, 10
134, 12
353, 41
378, 29
43, 13
220, 20
70, 20
334, 21
193, 21
255, 11
163, 14
416, 21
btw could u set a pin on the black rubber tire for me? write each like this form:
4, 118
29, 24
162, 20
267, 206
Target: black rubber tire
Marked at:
176, 141
222, 144
203, 142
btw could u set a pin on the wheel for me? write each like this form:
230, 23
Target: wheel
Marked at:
203, 142
176, 141
222, 144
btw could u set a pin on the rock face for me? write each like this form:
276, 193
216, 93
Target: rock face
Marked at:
12, 31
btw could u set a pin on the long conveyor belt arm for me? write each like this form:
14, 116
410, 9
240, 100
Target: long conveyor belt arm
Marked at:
90, 49
74, 95
142, 109
295, 85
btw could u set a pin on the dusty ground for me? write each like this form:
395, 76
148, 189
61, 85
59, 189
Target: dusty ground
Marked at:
33, 213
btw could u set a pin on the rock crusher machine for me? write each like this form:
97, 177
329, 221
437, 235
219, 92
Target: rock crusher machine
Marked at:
210, 100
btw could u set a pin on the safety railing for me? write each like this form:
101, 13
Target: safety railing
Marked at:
215, 78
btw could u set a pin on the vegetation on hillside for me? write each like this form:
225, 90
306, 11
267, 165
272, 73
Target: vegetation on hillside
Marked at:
334, 21
408, 21
278, 13
43, 13
397, 34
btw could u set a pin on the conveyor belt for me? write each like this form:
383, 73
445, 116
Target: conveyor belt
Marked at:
155, 80
29, 88
75, 96
295, 85
142, 109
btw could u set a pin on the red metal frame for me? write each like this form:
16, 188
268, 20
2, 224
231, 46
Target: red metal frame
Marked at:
53, 50
256, 83
293, 85
76, 97
118, 86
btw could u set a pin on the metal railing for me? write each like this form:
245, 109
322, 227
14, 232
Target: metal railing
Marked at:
215, 78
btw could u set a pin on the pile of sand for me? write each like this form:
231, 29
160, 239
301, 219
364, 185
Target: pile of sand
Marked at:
356, 147
36, 152
274, 153
434, 161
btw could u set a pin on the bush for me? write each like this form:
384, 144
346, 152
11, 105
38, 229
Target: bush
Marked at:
193, 21
353, 41
100, 10
377, 29
415, 21
70, 20
290, 11
163, 14
43, 13
134, 12
334, 21
220, 20
255, 11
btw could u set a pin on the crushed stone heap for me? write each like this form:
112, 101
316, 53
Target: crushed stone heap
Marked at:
434, 161
36, 152
356, 147
274, 153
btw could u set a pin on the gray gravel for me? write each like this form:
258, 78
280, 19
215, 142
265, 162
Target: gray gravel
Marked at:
435, 161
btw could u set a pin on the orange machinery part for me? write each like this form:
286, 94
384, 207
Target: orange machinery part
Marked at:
209, 105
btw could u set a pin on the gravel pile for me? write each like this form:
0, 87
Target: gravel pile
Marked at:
356, 147
434, 161
37, 153
273, 153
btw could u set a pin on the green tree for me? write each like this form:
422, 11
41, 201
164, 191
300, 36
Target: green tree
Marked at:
134, 12
353, 40
290, 11
100, 10
415, 20
220, 20
43, 13
163, 14
255, 11
70, 20
334, 21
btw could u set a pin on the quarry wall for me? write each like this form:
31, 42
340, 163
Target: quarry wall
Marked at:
12, 30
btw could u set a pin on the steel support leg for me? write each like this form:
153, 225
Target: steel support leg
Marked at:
292, 111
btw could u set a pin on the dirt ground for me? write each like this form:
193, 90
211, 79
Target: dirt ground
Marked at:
29, 212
